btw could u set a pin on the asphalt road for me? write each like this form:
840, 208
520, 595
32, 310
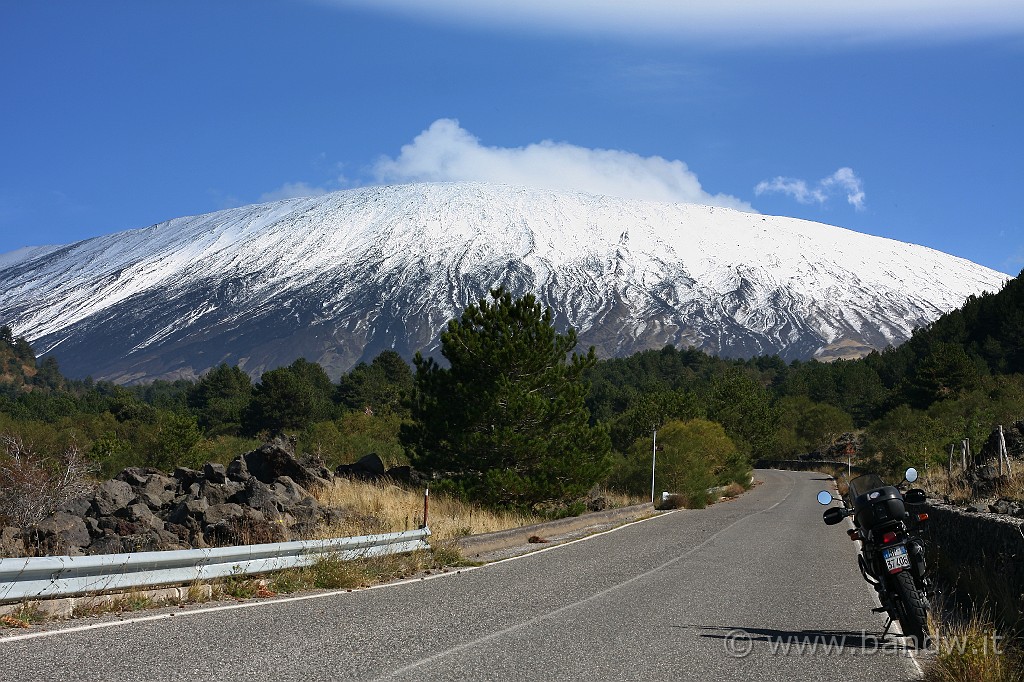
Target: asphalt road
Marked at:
738, 591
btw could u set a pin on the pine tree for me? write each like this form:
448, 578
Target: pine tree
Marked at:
289, 398
506, 421
380, 386
220, 397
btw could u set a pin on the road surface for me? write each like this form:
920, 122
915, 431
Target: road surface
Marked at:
742, 590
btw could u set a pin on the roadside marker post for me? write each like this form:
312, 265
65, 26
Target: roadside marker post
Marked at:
426, 504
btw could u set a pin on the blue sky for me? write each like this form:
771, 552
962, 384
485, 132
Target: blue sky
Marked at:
116, 115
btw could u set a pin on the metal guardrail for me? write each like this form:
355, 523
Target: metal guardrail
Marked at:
806, 464
59, 576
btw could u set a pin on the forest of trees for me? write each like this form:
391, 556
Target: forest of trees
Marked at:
517, 416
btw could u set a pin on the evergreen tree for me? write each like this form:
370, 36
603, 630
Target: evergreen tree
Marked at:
23, 351
48, 376
379, 386
650, 411
744, 407
220, 397
506, 421
289, 398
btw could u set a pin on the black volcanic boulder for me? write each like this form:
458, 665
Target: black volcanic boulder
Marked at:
12, 544
189, 509
219, 493
215, 473
157, 491
222, 513
316, 466
140, 514
80, 506
289, 492
188, 477
368, 468
60, 534
259, 496
271, 461
111, 496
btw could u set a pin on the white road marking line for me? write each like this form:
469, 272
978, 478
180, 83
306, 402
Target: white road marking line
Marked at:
285, 600
537, 619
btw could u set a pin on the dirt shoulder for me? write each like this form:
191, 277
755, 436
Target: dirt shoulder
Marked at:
504, 544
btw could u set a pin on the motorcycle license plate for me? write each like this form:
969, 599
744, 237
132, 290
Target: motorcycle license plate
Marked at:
896, 558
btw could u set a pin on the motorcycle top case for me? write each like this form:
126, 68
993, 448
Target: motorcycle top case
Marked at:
879, 507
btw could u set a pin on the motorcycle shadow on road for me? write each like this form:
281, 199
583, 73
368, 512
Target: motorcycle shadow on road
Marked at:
827, 639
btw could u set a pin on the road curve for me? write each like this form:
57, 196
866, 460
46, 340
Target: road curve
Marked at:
742, 590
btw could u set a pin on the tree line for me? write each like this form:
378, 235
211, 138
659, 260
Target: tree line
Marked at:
516, 415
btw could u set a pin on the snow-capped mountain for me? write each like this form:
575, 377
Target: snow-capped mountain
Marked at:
340, 277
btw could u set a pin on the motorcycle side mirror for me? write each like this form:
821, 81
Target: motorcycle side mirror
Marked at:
825, 497
911, 475
833, 515
915, 496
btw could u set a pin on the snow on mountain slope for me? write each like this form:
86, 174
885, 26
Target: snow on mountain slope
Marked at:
340, 277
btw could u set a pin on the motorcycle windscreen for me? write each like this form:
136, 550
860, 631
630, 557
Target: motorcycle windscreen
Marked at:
863, 484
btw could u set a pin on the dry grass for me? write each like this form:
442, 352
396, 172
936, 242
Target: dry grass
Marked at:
733, 490
135, 601
1014, 486
25, 617
972, 651
387, 508
332, 573
939, 483
616, 500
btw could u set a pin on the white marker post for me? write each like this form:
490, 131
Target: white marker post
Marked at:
654, 461
426, 505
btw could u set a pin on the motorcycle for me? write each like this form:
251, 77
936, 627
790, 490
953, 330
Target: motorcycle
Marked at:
891, 559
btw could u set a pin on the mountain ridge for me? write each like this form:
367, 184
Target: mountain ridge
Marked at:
339, 277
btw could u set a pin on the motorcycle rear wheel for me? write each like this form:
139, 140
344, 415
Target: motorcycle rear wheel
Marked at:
913, 609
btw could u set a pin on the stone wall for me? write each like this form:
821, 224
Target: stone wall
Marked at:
978, 559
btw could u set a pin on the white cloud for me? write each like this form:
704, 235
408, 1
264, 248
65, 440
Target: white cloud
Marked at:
446, 152
843, 181
726, 20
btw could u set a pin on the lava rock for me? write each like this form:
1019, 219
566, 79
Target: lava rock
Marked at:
215, 473
220, 513
238, 470
259, 496
79, 506
111, 496
137, 476
106, 544
275, 459
12, 543
61, 533
189, 509
140, 513
368, 468
187, 477
289, 492
215, 493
